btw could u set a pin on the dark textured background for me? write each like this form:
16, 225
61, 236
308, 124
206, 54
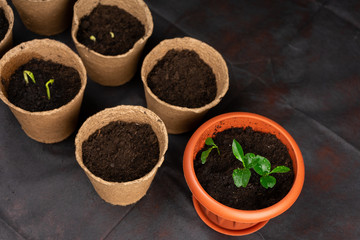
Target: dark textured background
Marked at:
296, 62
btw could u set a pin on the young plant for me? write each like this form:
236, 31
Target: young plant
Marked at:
93, 38
112, 35
241, 176
261, 166
51, 81
27, 74
210, 142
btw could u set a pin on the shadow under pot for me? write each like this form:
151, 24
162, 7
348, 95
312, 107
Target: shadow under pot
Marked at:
6, 27
120, 149
183, 78
45, 17
110, 36
43, 83
243, 169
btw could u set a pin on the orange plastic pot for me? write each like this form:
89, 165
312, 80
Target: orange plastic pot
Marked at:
222, 218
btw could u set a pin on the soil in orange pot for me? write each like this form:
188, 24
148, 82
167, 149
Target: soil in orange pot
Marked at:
32, 96
121, 151
4, 24
215, 176
110, 30
182, 78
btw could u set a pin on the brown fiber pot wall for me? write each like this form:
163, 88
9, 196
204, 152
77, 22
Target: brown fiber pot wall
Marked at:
45, 17
112, 70
122, 193
46, 126
181, 119
7, 41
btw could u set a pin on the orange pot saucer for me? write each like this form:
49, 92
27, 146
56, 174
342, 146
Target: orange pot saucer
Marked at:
219, 229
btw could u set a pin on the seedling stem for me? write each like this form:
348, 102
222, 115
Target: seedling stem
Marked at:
51, 81
28, 74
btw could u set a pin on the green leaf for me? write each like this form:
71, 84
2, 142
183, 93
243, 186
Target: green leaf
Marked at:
268, 181
238, 151
241, 177
280, 169
262, 166
210, 142
250, 160
204, 155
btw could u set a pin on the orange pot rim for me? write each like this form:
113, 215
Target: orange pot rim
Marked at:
245, 216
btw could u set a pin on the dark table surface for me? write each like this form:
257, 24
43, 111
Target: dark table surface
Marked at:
296, 62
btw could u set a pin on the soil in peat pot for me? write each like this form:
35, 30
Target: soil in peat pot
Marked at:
109, 30
121, 151
33, 96
215, 176
182, 78
4, 24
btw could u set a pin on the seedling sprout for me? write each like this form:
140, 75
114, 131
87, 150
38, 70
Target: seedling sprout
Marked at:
241, 176
28, 74
112, 34
260, 164
210, 142
93, 38
51, 81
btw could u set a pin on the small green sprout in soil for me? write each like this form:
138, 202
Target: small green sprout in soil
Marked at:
51, 81
210, 142
261, 166
93, 38
242, 176
112, 34
27, 74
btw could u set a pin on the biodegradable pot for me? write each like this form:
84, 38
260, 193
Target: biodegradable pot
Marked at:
222, 218
112, 70
45, 126
45, 17
7, 41
181, 119
122, 193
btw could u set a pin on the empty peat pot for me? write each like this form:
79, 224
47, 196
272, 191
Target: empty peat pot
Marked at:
6, 42
52, 125
45, 17
128, 192
182, 119
229, 220
110, 70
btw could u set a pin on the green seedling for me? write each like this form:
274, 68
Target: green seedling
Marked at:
93, 38
112, 34
241, 176
261, 166
204, 155
27, 74
51, 81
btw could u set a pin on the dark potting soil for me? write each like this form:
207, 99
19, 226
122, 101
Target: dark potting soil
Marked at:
4, 24
215, 176
182, 78
33, 96
115, 30
121, 151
